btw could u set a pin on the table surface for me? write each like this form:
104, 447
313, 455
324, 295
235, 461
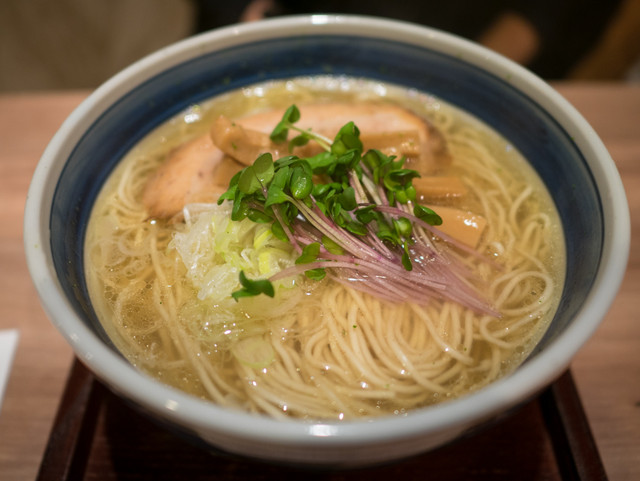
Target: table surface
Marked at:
606, 370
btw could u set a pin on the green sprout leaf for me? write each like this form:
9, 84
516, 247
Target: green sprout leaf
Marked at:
316, 274
276, 191
357, 228
406, 260
399, 179
298, 141
230, 194
292, 114
263, 168
281, 131
240, 208
347, 199
321, 163
251, 288
347, 138
366, 214
255, 177
278, 231
427, 215
309, 253
259, 216
403, 227
332, 246
249, 183
301, 182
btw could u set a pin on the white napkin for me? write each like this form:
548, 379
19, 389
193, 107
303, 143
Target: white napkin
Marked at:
8, 344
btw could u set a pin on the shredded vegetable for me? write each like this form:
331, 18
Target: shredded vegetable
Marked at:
215, 250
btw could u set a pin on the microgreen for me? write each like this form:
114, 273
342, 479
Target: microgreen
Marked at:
348, 210
253, 287
427, 215
309, 253
256, 176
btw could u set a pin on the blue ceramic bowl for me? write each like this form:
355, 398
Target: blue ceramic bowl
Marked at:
556, 140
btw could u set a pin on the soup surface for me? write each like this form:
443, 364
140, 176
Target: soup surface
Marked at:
161, 273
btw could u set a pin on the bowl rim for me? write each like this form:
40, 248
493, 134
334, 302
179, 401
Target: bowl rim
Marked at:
496, 397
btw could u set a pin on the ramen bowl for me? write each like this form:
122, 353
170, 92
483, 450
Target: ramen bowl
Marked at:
557, 142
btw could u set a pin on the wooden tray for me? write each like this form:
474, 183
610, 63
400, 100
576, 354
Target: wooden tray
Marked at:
96, 436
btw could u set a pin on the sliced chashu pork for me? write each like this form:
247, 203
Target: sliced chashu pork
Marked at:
200, 169
390, 128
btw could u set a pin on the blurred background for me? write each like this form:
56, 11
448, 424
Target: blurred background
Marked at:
78, 44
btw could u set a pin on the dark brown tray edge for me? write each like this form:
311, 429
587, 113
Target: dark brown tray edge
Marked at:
67, 450
70, 440
573, 442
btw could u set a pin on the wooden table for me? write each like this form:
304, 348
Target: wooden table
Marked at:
606, 370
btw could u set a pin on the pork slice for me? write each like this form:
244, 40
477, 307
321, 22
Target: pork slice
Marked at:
196, 171
199, 170
378, 123
243, 144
